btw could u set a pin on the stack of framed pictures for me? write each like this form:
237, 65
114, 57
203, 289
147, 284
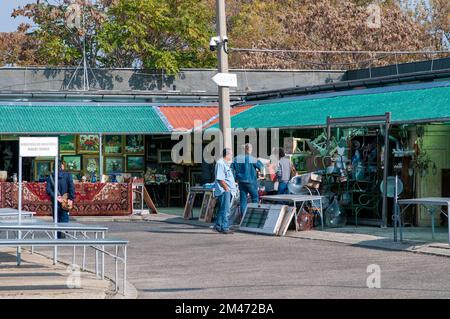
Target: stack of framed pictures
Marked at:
263, 218
207, 209
121, 154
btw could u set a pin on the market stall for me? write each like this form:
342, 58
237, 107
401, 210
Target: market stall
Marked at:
91, 199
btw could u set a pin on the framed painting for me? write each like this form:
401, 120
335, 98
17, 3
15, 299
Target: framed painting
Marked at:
113, 145
42, 169
91, 165
211, 210
68, 144
207, 197
134, 144
73, 163
165, 156
113, 165
88, 144
135, 163
189, 206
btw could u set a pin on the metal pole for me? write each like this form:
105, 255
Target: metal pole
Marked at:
395, 208
224, 92
117, 270
386, 169
328, 131
55, 249
74, 249
448, 222
124, 270
103, 257
19, 249
96, 259
100, 159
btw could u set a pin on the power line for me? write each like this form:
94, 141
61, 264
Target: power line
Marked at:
338, 51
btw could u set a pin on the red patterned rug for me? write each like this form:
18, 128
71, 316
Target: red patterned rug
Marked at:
99, 199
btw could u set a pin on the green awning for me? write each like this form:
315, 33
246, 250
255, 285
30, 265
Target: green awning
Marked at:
16, 118
412, 105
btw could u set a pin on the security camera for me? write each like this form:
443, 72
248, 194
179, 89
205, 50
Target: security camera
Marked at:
213, 43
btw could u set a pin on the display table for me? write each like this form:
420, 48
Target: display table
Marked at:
91, 199
431, 204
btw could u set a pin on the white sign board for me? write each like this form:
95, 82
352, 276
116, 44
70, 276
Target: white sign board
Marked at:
225, 79
38, 146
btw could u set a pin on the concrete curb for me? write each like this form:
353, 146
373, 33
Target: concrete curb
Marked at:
383, 243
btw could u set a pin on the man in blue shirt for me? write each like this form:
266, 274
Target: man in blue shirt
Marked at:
245, 167
224, 189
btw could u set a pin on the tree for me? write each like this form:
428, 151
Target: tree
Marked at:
65, 28
172, 34
16, 48
161, 34
321, 25
434, 16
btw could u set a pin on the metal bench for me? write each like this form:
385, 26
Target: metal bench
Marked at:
14, 213
69, 229
97, 244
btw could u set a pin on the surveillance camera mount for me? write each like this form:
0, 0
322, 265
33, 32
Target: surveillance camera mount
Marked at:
215, 41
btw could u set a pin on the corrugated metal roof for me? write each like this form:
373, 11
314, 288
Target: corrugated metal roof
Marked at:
184, 117
424, 104
234, 111
96, 118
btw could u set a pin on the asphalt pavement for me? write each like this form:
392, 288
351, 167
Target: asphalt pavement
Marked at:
172, 260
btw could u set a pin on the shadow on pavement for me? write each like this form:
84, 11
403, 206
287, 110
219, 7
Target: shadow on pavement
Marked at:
7, 257
388, 244
182, 232
291, 285
31, 274
37, 287
22, 266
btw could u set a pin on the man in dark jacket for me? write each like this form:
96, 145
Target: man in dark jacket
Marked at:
65, 186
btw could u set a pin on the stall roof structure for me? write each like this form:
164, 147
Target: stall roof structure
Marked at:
184, 118
51, 118
425, 102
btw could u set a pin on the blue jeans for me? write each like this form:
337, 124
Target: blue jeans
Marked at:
244, 190
283, 188
63, 217
222, 222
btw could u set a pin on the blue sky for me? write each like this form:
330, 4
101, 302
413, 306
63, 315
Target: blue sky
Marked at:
7, 23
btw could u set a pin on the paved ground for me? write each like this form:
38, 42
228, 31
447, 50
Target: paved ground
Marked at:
169, 260
37, 277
